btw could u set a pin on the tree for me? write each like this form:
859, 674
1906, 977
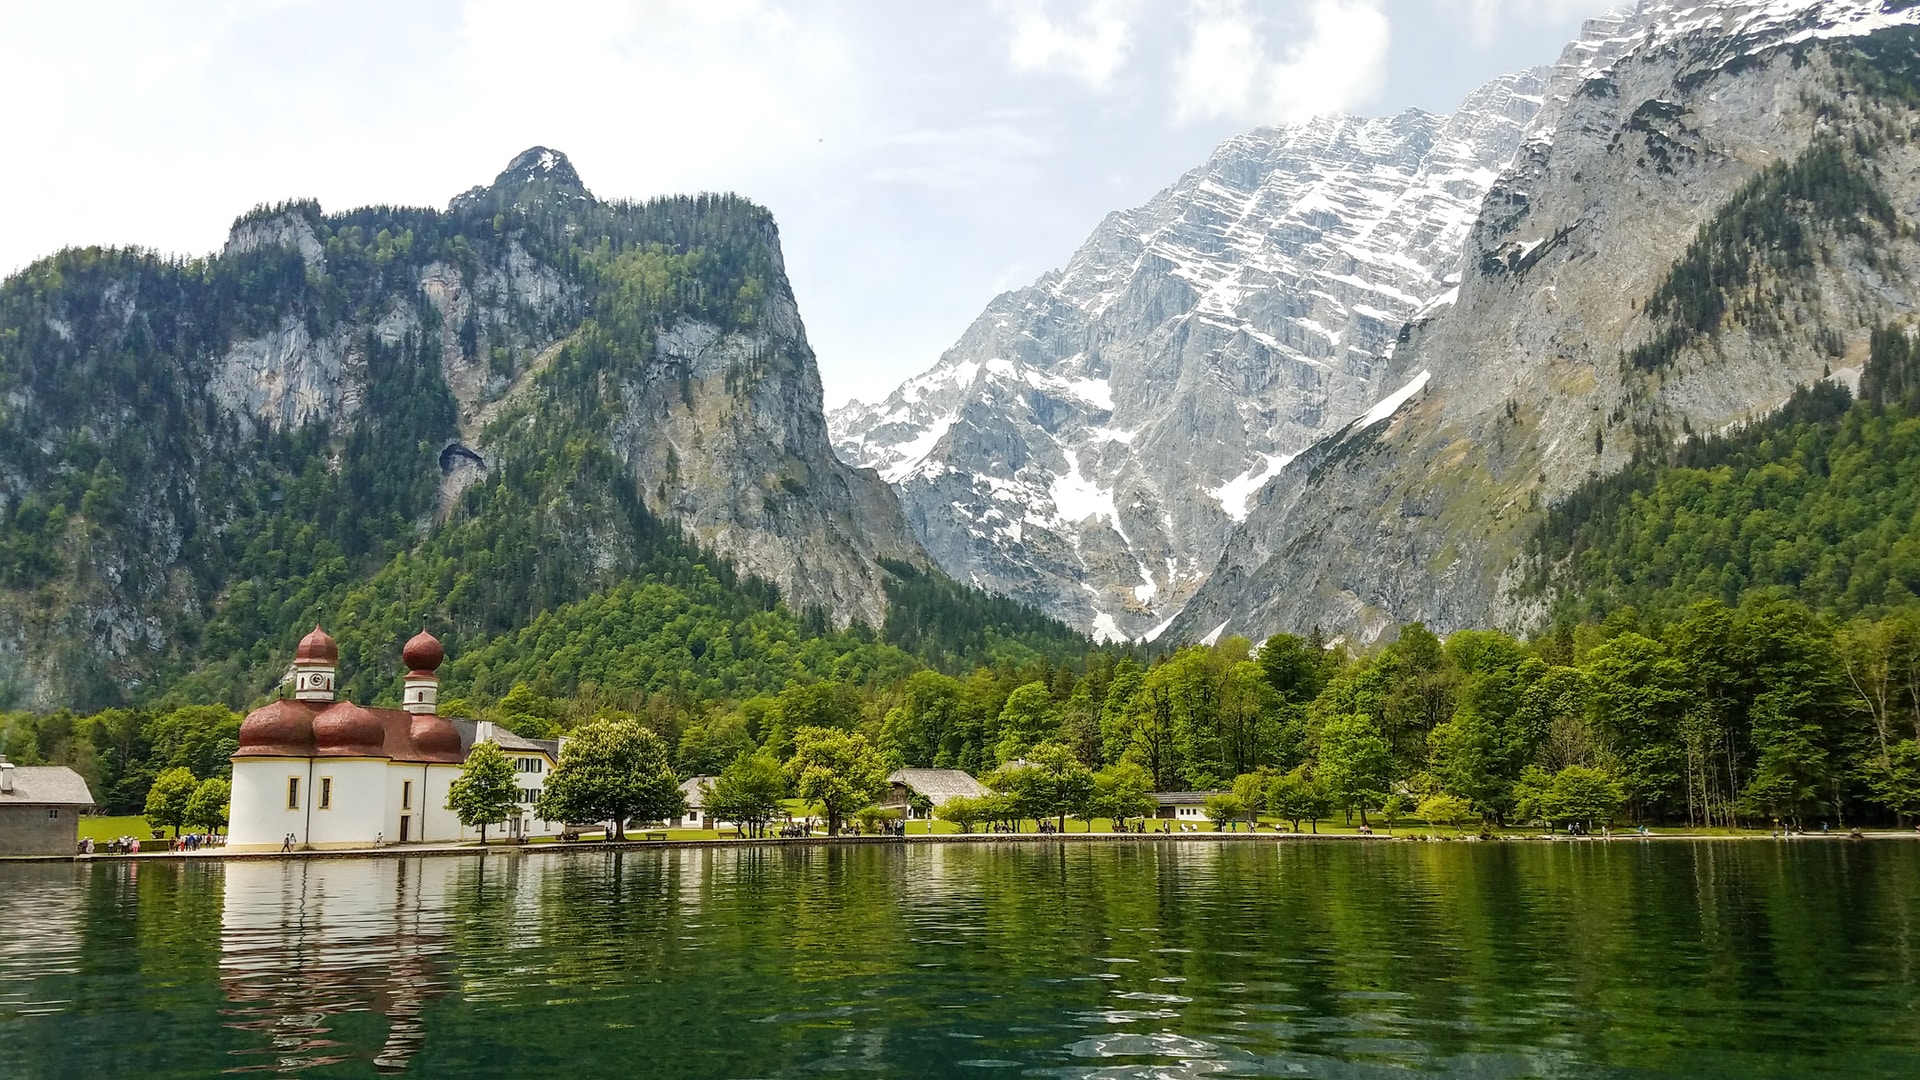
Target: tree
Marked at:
868, 818
1249, 726
1446, 809
1575, 793
1584, 794
1896, 785
962, 810
613, 771
529, 714
1251, 790
747, 792
486, 791
840, 770
709, 745
1296, 796
1026, 720
208, 806
168, 797
1393, 809
1466, 756
1222, 808
1121, 791
1353, 763
1295, 668
1051, 783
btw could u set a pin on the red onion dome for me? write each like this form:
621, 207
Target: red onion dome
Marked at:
278, 729
344, 729
423, 653
317, 648
435, 739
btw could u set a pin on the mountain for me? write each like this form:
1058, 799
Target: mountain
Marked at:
391, 415
1091, 441
1717, 206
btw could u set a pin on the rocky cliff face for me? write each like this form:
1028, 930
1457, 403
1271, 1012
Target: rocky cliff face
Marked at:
187, 448
727, 435
1091, 441
1718, 203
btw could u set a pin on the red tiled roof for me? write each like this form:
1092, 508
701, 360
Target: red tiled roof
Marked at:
342, 729
281, 728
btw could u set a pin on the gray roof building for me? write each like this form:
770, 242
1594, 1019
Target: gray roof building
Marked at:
42, 785
470, 733
691, 788
40, 808
937, 785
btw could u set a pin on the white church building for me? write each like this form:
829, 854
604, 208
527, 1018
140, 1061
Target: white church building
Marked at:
324, 774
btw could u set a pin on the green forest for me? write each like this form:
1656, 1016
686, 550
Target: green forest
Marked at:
1734, 640
1732, 631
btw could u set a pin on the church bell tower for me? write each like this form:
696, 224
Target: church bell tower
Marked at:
316, 665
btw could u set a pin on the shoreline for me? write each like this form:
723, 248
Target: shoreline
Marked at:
409, 851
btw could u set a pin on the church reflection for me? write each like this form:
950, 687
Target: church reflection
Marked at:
316, 953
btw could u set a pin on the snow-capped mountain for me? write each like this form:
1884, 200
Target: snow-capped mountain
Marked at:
1092, 439
1656, 125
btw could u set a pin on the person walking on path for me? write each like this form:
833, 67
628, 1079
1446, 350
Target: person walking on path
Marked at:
286, 846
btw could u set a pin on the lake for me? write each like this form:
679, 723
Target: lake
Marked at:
1165, 959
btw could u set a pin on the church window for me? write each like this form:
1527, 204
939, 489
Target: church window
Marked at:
293, 793
406, 794
326, 793
54, 812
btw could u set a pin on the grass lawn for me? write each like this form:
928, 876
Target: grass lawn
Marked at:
103, 829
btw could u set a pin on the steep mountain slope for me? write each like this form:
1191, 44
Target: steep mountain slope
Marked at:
1090, 441
1718, 206
485, 412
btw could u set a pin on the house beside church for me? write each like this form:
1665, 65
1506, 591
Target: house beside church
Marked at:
533, 761
40, 807
332, 774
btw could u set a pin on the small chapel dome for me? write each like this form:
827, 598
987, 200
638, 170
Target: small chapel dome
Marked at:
347, 730
423, 653
278, 729
317, 648
435, 739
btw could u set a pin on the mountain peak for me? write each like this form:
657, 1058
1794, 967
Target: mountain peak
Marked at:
539, 163
536, 174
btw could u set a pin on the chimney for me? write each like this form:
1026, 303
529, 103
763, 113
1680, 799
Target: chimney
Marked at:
483, 731
6, 776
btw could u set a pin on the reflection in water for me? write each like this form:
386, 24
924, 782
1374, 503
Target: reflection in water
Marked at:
303, 943
37, 954
1173, 959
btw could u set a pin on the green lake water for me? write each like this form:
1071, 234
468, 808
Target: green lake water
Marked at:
1164, 959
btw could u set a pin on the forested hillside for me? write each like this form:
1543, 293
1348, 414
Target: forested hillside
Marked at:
1819, 502
390, 416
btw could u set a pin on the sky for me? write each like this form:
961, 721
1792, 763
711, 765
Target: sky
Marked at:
921, 157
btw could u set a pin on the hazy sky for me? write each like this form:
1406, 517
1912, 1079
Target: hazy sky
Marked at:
919, 156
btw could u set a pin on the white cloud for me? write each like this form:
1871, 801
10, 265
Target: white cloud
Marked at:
1240, 65
1486, 18
730, 86
1090, 45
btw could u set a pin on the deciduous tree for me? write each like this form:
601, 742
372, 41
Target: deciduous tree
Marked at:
840, 770
486, 791
613, 771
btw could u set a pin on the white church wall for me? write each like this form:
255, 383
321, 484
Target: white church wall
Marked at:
351, 811
441, 824
260, 815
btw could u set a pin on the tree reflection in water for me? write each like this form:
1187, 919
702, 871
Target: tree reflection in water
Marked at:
1749, 959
